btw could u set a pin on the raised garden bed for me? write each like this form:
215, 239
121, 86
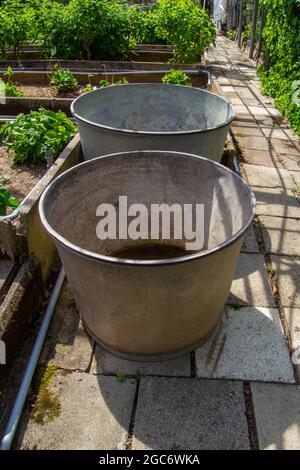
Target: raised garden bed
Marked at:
41, 77
14, 106
92, 65
20, 306
156, 53
143, 53
44, 96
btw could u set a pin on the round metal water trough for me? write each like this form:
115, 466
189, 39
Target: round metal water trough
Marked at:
148, 298
152, 117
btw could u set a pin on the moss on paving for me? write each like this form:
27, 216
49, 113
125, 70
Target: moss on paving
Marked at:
235, 306
46, 406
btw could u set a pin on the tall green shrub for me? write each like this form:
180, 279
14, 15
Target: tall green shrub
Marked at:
185, 25
104, 29
14, 26
89, 29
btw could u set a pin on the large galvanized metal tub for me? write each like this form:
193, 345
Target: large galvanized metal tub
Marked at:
152, 117
148, 298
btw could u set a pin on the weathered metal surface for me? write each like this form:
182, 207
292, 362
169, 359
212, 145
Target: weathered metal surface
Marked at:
152, 117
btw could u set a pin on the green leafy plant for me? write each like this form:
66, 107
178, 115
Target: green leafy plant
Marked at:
105, 83
246, 34
121, 378
296, 191
63, 80
122, 81
5, 197
10, 87
30, 135
88, 88
177, 77
231, 34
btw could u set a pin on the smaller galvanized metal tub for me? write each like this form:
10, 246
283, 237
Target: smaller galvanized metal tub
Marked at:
152, 117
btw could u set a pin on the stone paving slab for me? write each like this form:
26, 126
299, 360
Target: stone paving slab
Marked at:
95, 414
67, 343
274, 112
227, 89
296, 177
250, 244
244, 121
240, 109
253, 143
287, 270
277, 411
264, 121
290, 162
236, 101
105, 363
292, 135
251, 101
251, 284
247, 131
281, 235
292, 316
245, 93
265, 158
259, 110
266, 177
250, 345
189, 414
277, 202
285, 147
274, 133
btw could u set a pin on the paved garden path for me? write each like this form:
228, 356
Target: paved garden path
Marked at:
239, 390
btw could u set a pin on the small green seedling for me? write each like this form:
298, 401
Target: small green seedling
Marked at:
5, 197
88, 88
296, 191
121, 378
10, 87
31, 135
177, 77
105, 83
63, 80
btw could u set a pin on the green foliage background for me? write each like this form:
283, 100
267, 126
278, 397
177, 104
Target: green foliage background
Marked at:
282, 41
103, 29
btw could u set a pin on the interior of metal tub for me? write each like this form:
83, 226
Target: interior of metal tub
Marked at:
147, 178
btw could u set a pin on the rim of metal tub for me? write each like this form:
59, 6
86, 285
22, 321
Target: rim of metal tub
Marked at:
133, 262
